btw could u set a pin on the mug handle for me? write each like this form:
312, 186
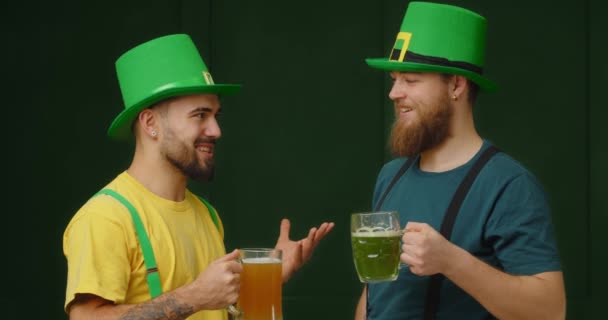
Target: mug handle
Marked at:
234, 312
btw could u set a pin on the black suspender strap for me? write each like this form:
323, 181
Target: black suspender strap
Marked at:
398, 175
406, 165
434, 288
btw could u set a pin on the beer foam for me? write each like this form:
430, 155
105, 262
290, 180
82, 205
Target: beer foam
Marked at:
375, 232
261, 260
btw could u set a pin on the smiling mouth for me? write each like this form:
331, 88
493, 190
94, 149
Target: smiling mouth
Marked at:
206, 149
404, 109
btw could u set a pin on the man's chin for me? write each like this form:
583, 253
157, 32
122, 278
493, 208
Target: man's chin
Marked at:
203, 172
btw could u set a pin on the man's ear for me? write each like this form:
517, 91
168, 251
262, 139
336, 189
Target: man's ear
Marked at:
147, 123
458, 86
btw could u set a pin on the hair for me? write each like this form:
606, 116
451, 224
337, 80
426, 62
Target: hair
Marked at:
472, 86
160, 106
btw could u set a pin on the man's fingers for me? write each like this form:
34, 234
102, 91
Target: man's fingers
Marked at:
411, 238
321, 232
235, 267
307, 246
311, 234
415, 226
324, 229
307, 242
298, 251
284, 232
409, 259
231, 256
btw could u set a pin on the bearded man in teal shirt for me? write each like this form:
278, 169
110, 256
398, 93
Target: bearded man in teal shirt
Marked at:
478, 240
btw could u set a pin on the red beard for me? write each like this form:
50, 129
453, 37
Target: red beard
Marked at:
428, 131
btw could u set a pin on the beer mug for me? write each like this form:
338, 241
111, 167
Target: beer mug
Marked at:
376, 241
260, 295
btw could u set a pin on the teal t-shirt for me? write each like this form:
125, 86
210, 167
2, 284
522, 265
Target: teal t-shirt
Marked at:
504, 220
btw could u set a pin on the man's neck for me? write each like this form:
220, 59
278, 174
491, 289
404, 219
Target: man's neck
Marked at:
157, 175
450, 154
460, 146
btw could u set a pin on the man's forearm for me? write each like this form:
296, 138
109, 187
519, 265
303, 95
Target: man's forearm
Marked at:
360, 312
170, 306
163, 308
507, 296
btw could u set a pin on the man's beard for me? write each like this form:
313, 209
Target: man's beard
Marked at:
428, 131
185, 159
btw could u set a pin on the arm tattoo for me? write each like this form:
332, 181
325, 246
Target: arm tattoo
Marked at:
159, 309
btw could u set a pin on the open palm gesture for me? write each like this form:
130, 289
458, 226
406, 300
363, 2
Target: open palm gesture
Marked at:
296, 253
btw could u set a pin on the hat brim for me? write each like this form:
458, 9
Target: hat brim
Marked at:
120, 128
485, 84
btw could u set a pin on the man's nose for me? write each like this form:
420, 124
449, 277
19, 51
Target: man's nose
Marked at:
213, 129
397, 91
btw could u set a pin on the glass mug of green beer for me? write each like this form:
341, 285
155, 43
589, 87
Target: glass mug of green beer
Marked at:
260, 295
376, 241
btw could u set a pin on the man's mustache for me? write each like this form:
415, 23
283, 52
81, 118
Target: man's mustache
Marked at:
205, 140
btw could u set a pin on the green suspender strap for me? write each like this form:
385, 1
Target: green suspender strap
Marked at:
212, 213
151, 269
152, 275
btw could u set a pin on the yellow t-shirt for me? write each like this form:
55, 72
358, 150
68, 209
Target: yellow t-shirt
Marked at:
103, 252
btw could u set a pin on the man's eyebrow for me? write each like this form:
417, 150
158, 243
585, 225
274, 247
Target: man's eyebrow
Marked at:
201, 109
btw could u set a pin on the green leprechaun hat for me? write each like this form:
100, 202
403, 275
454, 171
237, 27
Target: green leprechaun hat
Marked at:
439, 38
159, 69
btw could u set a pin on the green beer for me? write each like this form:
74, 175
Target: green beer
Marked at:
376, 255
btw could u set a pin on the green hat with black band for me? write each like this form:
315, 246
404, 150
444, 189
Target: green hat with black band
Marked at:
439, 38
161, 68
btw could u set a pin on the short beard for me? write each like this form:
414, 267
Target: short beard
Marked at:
185, 159
431, 129
193, 170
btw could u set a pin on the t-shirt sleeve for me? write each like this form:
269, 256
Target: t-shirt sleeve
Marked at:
97, 245
520, 229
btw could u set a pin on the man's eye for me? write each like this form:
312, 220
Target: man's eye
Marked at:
411, 80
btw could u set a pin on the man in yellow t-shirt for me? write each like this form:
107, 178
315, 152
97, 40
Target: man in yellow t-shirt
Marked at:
145, 247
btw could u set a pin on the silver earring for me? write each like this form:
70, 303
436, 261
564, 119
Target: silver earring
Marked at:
153, 133
454, 97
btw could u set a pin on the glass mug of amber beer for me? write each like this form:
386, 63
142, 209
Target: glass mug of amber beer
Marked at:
376, 241
260, 295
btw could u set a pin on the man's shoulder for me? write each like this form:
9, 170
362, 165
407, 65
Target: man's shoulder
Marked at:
390, 168
388, 172
504, 162
503, 167
103, 205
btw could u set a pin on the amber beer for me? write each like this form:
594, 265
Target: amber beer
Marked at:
260, 296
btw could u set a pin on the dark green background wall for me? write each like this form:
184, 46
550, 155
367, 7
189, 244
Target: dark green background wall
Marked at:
306, 136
